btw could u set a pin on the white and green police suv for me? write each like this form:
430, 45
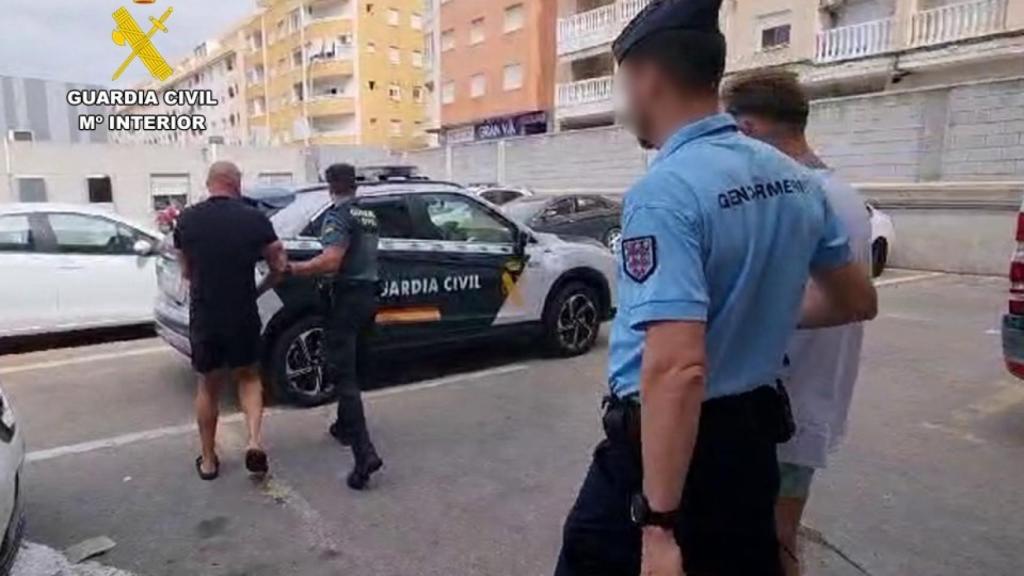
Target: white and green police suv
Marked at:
453, 269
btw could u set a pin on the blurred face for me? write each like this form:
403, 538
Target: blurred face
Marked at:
642, 88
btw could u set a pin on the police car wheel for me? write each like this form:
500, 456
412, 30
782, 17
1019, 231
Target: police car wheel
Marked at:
572, 320
613, 239
297, 364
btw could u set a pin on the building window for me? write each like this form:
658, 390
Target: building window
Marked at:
477, 86
101, 191
447, 40
297, 58
396, 127
371, 48
417, 94
298, 94
395, 55
514, 18
31, 189
513, 77
167, 189
395, 93
21, 135
417, 59
393, 17
476, 32
230, 63
448, 92
774, 30
416, 21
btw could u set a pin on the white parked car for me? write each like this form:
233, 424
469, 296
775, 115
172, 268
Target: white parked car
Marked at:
12, 457
883, 234
67, 267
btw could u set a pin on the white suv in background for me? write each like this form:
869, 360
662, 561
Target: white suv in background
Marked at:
66, 267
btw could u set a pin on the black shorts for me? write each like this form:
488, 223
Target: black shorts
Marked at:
224, 345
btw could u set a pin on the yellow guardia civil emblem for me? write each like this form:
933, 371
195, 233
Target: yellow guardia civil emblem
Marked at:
509, 279
128, 32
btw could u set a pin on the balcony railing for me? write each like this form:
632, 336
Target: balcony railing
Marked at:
585, 93
929, 27
330, 54
957, 21
596, 27
855, 41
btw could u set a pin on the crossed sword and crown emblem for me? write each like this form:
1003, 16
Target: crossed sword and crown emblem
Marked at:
128, 32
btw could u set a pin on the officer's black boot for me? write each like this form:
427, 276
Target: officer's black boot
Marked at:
367, 462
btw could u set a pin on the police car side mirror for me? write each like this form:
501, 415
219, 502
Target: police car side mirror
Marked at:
143, 248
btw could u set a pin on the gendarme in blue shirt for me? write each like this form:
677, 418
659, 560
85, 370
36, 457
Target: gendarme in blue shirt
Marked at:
723, 229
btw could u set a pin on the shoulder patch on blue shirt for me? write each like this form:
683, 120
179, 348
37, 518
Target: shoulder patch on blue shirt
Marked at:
640, 257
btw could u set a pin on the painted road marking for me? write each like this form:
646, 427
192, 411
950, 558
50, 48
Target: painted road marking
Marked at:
38, 560
907, 279
84, 360
167, 431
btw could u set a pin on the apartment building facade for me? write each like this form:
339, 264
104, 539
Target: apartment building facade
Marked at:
838, 47
336, 72
311, 72
214, 65
496, 76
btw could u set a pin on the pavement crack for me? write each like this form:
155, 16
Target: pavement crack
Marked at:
815, 536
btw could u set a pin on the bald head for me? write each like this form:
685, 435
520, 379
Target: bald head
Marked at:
224, 179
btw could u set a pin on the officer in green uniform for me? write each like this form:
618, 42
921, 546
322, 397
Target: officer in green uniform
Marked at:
349, 238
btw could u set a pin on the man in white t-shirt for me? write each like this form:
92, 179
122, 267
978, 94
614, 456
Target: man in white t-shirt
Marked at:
822, 364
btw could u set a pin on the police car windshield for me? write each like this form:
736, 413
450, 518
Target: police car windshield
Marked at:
292, 220
524, 209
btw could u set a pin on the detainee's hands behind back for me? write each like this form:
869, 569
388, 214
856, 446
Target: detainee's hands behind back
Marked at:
839, 296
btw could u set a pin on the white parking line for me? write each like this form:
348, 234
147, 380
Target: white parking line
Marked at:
158, 433
906, 279
4, 371
38, 560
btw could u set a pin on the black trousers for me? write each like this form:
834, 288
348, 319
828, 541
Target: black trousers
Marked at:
727, 520
348, 327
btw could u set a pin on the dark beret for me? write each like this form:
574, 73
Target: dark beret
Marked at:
662, 15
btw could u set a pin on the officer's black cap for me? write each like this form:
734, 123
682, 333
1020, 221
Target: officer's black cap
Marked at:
662, 15
341, 174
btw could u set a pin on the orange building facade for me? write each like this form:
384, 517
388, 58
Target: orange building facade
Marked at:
497, 68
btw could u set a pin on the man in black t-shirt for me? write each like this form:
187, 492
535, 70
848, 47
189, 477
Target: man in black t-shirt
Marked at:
220, 241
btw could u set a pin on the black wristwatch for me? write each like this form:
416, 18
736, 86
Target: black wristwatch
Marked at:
642, 515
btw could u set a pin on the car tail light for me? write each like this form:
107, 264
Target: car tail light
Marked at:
1017, 271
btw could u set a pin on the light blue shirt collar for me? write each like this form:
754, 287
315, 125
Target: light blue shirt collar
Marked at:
694, 130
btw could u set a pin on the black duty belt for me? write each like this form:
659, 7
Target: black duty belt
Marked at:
765, 412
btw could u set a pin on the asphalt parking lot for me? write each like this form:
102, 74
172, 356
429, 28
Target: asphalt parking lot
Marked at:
485, 449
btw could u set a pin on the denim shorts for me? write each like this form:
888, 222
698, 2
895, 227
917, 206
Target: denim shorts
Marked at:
795, 480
